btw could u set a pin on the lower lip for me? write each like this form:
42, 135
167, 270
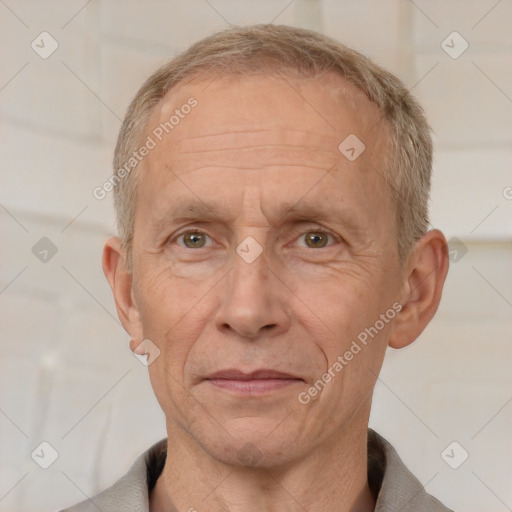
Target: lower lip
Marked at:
252, 386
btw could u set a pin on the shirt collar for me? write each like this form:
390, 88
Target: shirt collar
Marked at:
394, 486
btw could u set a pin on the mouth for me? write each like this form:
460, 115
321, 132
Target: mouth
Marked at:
253, 383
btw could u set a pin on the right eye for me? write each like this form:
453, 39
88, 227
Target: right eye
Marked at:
193, 240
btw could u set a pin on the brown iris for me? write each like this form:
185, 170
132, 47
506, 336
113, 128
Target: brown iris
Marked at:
194, 240
315, 239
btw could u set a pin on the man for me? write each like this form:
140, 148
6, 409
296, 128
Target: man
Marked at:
271, 188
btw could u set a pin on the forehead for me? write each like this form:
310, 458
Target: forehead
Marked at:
309, 116
326, 105
277, 129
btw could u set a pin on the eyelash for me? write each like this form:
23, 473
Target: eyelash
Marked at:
199, 232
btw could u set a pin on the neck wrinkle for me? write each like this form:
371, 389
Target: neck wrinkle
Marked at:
332, 478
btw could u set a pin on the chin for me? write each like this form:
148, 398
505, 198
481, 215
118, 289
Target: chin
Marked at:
252, 455
251, 443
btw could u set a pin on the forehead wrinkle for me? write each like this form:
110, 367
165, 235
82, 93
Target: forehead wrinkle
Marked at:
244, 130
260, 137
183, 170
254, 158
255, 146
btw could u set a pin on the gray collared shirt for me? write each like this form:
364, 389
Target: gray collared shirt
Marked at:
396, 488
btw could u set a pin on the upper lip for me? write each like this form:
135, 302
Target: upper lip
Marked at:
234, 374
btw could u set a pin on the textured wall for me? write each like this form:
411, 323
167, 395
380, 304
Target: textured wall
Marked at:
67, 377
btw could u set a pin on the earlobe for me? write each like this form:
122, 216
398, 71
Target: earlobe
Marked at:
120, 281
423, 286
137, 347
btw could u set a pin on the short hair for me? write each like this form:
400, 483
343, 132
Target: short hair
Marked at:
267, 48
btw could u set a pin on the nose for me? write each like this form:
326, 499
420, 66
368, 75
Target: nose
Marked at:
254, 302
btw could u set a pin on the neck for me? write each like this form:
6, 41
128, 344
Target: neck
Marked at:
333, 478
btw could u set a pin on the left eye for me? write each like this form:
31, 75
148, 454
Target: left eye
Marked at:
316, 239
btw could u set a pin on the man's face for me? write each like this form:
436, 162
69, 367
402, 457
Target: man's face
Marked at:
255, 166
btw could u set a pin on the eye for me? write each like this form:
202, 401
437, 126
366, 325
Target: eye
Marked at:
316, 239
192, 239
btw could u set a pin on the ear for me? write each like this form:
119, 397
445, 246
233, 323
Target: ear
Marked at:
121, 281
424, 280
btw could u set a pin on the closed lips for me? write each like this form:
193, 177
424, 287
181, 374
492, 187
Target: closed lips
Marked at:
233, 374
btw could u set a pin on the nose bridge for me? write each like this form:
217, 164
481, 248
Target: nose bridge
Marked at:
250, 262
249, 281
252, 302
251, 231
250, 272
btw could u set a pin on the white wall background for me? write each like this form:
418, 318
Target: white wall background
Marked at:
67, 376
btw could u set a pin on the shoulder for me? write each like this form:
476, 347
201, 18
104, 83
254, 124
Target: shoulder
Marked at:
130, 493
399, 489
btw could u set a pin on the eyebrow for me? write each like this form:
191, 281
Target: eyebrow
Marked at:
196, 210
299, 211
313, 212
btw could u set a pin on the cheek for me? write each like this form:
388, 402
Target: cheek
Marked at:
166, 299
342, 303
354, 337
173, 312
348, 381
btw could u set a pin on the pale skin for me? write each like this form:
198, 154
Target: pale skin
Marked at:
251, 149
